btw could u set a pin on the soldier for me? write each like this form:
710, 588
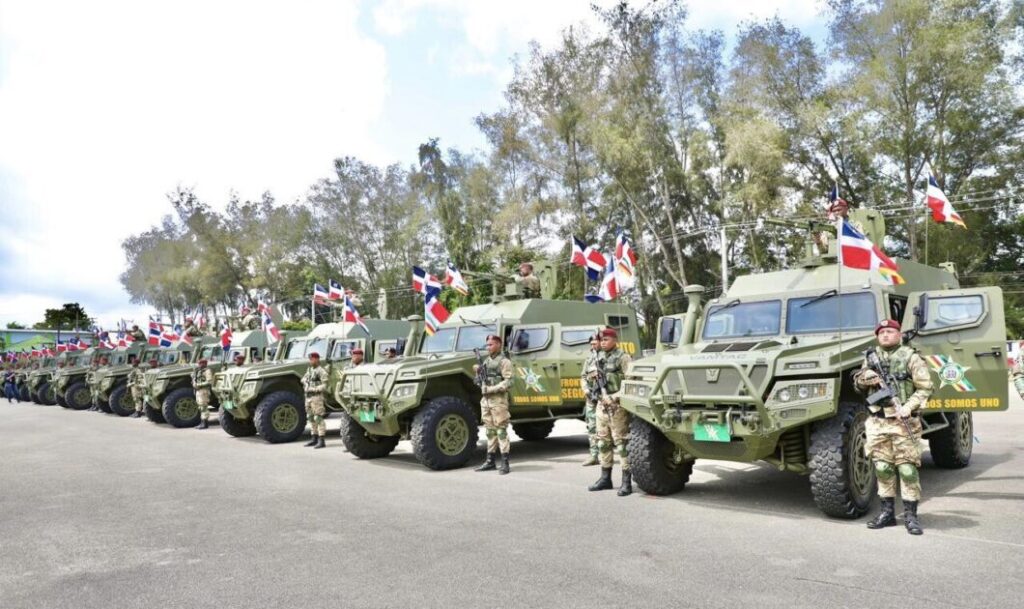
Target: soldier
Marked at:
93, 380
390, 353
357, 359
894, 432
314, 383
9, 392
494, 404
202, 380
612, 419
190, 328
137, 334
529, 281
1018, 369
135, 380
250, 321
239, 360
590, 409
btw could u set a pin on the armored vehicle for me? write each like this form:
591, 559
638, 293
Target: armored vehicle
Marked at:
267, 398
763, 373
112, 379
431, 398
170, 397
38, 380
72, 389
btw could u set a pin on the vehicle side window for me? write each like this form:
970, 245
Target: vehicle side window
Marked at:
571, 338
944, 312
530, 339
897, 307
618, 321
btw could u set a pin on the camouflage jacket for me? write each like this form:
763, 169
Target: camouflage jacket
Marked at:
589, 368
616, 363
202, 378
530, 284
136, 377
1018, 375
315, 380
497, 374
911, 374
191, 330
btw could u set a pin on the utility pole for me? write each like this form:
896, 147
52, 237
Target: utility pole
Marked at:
725, 262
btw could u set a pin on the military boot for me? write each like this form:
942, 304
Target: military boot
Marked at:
312, 441
910, 518
135, 415
320, 442
591, 460
487, 465
887, 517
627, 484
603, 483
504, 469
202, 424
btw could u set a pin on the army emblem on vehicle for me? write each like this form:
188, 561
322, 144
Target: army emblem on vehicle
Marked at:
950, 372
531, 379
711, 375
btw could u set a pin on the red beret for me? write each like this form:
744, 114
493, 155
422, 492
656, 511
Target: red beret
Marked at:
609, 332
888, 323
357, 351
203, 362
314, 355
493, 337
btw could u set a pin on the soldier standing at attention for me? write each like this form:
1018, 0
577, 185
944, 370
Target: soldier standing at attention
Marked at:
529, 281
93, 382
494, 404
612, 419
137, 334
894, 433
590, 409
135, 379
202, 381
314, 383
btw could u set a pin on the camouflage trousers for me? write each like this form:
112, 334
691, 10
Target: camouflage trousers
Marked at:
590, 416
203, 402
137, 398
896, 456
613, 434
315, 411
494, 413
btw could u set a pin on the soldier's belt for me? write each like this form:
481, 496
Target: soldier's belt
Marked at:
311, 393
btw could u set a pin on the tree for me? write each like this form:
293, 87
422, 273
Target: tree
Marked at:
70, 316
13, 325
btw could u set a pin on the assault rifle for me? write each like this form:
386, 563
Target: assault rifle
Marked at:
598, 388
887, 393
481, 375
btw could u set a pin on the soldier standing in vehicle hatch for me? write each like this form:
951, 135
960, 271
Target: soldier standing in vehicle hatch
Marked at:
314, 383
894, 432
529, 281
202, 382
494, 404
612, 419
590, 409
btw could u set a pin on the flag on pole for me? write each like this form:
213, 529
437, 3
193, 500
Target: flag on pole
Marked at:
183, 337
625, 262
155, 330
942, 210
320, 294
454, 279
857, 252
352, 315
434, 315
425, 283
273, 334
589, 258
334, 290
609, 285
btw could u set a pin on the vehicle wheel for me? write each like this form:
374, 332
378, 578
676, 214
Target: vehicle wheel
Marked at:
659, 467
33, 396
951, 447
47, 395
842, 476
239, 428
444, 433
25, 394
364, 444
121, 402
180, 408
78, 396
59, 399
281, 417
153, 414
533, 432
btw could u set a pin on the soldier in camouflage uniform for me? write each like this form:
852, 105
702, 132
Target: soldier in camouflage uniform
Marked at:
356, 361
93, 380
894, 432
1018, 370
136, 378
250, 321
612, 419
190, 328
529, 281
202, 382
137, 334
590, 409
314, 383
494, 404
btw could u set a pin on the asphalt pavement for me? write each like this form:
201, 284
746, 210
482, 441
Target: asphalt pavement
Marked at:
100, 511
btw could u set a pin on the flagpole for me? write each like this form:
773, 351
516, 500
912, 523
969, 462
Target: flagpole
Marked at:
839, 281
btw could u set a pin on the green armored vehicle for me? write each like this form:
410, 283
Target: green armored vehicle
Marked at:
40, 390
112, 379
267, 398
431, 398
169, 395
71, 387
763, 373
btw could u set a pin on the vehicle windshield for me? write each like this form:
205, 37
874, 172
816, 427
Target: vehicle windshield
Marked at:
473, 337
460, 339
343, 350
741, 320
441, 342
211, 353
807, 316
301, 348
235, 352
169, 357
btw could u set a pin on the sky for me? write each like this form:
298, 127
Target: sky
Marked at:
106, 106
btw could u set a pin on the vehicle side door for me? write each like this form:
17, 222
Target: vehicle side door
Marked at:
961, 334
535, 353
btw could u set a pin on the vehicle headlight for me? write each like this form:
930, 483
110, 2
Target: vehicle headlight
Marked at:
636, 389
403, 391
248, 389
800, 392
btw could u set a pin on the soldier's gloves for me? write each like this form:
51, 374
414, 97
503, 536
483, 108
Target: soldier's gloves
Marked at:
607, 401
869, 378
904, 411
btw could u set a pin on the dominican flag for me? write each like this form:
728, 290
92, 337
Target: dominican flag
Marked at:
425, 283
273, 334
262, 307
454, 279
48, 352
942, 210
61, 346
107, 344
352, 315
169, 337
588, 257
155, 330
76, 344
122, 339
609, 285
36, 352
200, 318
320, 294
183, 337
625, 262
334, 291
225, 337
857, 252
434, 315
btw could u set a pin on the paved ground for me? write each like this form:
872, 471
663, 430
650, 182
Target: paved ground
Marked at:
98, 511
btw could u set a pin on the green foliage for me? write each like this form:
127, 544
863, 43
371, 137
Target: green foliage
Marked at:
70, 316
13, 325
304, 325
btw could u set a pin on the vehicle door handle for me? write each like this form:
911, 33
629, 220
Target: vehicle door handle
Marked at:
995, 352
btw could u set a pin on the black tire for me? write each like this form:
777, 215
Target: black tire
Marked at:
24, 394
533, 432
153, 414
460, 431
57, 397
47, 394
33, 397
239, 428
180, 409
362, 443
951, 447
656, 463
281, 417
77, 396
842, 476
121, 402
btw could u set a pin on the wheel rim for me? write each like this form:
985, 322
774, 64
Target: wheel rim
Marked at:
126, 402
862, 472
674, 458
185, 409
452, 434
82, 396
284, 418
965, 432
